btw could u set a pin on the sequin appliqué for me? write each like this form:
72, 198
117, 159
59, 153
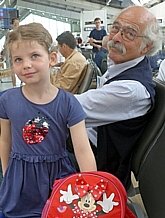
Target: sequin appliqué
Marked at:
35, 130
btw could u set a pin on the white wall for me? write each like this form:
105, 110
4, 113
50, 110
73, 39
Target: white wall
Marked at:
89, 16
159, 12
54, 27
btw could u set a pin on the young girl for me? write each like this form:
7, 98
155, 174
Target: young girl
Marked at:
34, 127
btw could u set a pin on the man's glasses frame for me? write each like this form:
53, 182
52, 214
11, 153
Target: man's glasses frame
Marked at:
127, 33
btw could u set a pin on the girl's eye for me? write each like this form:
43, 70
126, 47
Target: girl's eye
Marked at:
34, 56
17, 60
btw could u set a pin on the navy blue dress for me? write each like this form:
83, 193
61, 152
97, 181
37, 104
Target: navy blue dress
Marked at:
38, 155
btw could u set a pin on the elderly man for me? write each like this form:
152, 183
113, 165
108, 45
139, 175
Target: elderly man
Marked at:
119, 109
72, 70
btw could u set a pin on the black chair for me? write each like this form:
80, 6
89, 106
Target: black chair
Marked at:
104, 65
148, 160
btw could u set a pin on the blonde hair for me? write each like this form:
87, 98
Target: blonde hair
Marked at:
30, 32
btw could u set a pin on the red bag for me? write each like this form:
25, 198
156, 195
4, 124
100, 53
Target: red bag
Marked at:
86, 195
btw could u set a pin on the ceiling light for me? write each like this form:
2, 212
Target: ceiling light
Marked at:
136, 2
143, 2
108, 2
2, 1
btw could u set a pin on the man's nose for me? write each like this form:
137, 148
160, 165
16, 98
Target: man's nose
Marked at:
117, 37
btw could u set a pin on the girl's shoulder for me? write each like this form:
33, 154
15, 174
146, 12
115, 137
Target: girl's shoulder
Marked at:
67, 99
9, 92
10, 96
64, 94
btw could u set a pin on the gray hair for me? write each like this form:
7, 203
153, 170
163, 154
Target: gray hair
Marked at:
153, 35
152, 31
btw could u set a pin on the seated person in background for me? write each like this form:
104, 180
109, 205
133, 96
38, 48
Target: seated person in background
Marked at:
79, 43
119, 109
161, 73
102, 57
72, 70
102, 54
60, 58
1, 60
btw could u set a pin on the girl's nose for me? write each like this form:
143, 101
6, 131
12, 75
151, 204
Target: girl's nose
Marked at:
27, 64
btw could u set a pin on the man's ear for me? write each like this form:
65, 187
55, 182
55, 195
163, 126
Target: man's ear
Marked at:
147, 48
53, 59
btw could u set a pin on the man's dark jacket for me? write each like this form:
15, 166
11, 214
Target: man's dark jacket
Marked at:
116, 140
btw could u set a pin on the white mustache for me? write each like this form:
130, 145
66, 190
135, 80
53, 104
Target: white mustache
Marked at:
117, 46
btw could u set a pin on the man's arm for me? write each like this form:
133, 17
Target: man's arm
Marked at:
119, 100
94, 41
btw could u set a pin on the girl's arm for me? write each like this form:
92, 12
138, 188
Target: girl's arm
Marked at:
5, 143
82, 148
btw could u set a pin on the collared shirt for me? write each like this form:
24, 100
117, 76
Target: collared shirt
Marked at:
116, 101
161, 74
70, 72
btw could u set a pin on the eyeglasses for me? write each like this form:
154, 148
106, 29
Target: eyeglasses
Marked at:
127, 33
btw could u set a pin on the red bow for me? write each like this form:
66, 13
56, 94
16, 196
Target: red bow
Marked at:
82, 187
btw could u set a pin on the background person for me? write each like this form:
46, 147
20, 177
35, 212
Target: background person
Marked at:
95, 39
14, 25
118, 111
72, 70
34, 127
101, 57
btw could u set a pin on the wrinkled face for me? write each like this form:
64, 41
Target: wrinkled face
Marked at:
126, 37
30, 61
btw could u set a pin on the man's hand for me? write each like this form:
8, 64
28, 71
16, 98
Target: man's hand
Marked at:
98, 46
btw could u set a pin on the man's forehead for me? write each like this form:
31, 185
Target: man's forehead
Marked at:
127, 22
138, 15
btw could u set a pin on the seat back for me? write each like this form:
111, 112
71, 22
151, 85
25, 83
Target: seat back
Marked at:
148, 160
104, 65
88, 75
96, 69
